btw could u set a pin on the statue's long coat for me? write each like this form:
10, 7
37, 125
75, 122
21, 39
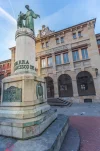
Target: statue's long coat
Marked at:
29, 23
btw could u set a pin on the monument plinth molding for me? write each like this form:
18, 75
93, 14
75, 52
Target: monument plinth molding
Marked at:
24, 111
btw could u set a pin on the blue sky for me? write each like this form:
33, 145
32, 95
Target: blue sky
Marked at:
57, 14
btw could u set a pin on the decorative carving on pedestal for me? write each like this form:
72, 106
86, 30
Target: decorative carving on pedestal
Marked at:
12, 94
39, 91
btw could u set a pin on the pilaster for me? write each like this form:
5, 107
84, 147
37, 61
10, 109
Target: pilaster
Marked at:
75, 90
54, 61
71, 59
56, 91
39, 66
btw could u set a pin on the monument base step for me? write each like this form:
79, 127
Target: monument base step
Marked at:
26, 128
50, 140
72, 137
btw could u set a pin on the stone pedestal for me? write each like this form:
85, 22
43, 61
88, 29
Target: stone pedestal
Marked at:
24, 111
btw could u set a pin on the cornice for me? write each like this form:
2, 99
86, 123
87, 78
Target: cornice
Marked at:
62, 48
69, 29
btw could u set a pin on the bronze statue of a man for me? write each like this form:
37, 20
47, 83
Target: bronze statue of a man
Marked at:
30, 15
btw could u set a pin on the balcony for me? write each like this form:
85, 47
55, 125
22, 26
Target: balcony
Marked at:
46, 70
63, 67
82, 63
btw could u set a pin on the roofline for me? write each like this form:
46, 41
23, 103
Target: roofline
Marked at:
67, 28
12, 48
80, 24
97, 34
5, 61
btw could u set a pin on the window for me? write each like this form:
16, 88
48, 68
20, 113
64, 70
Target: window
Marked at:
43, 63
43, 45
98, 41
84, 54
47, 44
84, 86
75, 55
65, 57
58, 59
8, 74
79, 34
57, 41
62, 39
50, 61
74, 35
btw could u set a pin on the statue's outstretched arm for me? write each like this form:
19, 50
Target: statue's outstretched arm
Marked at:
35, 15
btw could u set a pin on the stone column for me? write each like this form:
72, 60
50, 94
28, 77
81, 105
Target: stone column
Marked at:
46, 61
13, 50
62, 59
56, 91
39, 66
75, 90
54, 61
80, 54
97, 86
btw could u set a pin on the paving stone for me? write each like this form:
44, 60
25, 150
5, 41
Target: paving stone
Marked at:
89, 131
6, 142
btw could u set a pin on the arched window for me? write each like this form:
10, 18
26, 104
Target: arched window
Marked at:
65, 86
85, 84
50, 87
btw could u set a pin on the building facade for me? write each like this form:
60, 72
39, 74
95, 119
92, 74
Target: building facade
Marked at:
5, 70
69, 61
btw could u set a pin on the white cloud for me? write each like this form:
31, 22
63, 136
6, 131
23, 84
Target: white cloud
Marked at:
7, 28
11, 7
3, 13
72, 14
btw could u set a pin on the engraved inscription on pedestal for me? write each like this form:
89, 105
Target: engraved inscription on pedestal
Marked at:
12, 94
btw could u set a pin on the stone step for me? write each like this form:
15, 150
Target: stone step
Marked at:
59, 102
71, 141
50, 140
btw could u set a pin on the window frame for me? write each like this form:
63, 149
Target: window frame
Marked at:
76, 56
46, 44
79, 34
62, 41
67, 58
74, 34
57, 39
84, 53
98, 42
42, 45
43, 64
51, 64
59, 59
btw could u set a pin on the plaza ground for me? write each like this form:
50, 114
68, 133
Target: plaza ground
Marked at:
86, 119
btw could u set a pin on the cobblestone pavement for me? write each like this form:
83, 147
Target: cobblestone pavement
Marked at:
86, 109
89, 131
